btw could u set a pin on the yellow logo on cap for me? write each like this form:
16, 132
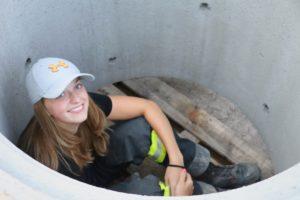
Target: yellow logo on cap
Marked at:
55, 67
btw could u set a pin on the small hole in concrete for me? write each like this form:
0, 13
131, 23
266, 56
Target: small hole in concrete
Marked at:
112, 59
204, 5
28, 62
266, 108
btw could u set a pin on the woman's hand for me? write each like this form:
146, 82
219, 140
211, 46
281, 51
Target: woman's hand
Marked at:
184, 186
172, 176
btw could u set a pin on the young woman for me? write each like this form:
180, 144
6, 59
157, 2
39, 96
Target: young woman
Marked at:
69, 134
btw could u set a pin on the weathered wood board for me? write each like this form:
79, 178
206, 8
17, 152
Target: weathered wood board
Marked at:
219, 107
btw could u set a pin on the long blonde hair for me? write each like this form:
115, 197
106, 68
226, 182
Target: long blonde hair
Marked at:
44, 140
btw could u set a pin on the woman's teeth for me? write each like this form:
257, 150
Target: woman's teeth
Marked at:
77, 109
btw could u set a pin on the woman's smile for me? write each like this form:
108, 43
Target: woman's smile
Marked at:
77, 109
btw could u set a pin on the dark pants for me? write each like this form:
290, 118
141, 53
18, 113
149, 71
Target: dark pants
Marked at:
130, 142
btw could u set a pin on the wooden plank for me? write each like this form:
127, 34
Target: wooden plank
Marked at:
188, 135
197, 121
221, 108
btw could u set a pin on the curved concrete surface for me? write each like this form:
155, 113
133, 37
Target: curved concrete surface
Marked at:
21, 174
246, 51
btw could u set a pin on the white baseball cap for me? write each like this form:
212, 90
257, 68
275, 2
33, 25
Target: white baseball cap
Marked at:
49, 77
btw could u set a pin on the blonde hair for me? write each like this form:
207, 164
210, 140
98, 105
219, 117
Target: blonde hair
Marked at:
44, 140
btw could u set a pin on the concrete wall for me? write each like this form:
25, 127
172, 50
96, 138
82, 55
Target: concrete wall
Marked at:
245, 50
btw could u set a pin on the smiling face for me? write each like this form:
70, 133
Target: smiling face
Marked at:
71, 107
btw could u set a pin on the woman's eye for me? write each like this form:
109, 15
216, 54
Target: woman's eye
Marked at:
79, 86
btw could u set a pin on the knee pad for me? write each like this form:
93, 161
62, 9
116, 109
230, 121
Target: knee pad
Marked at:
200, 162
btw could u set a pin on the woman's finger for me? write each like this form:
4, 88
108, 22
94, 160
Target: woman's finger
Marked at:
190, 183
189, 178
183, 176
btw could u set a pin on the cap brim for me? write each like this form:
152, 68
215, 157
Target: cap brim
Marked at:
60, 86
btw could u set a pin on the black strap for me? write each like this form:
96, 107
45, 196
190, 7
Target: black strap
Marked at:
179, 166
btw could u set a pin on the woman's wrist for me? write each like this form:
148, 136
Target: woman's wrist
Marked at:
176, 159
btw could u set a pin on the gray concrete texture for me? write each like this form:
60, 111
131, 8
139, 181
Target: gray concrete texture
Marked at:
247, 51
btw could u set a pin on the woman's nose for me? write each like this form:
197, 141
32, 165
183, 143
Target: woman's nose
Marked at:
74, 97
